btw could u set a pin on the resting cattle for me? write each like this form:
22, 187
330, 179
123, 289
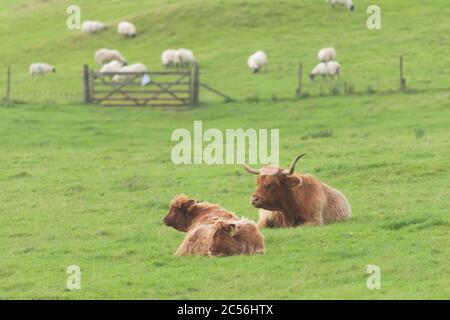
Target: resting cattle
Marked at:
302, 199
185, 213
223, 238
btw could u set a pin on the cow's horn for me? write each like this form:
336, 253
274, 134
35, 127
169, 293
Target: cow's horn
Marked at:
251, 170
292, 167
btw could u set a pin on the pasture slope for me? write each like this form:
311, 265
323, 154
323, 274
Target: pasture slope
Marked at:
83, 185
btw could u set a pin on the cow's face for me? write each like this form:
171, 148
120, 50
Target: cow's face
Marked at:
273, 185
180, 214
223, 241
271, 190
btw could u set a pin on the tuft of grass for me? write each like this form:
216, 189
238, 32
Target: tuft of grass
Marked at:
419, 133
321, 134
20, 175
134, 183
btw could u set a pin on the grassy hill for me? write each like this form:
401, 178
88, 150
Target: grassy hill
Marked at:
89, 186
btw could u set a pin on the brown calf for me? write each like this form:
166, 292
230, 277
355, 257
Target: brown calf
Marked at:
301, 199
185, 213
223, 238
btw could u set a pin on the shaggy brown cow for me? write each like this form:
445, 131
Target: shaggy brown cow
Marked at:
223, 238
185, 213
301, 199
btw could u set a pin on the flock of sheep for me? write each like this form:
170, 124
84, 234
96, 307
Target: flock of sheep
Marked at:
328, 66
112, 61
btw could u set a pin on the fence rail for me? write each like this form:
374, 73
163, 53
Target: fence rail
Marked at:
162, 89
173, 88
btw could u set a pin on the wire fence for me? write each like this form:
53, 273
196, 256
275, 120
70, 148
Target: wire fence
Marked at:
269, 85
19, 86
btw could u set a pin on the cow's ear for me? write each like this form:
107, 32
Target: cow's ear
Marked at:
293, 181
229, 228
187, 205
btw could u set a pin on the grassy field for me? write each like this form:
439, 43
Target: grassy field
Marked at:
88, 186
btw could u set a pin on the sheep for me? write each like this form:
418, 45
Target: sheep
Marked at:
186, 57
257, 60
170, 57
327, 54
132, 68
346, 3
330, 69
113, 66
93, 26
41, 69
127, 29
103, 56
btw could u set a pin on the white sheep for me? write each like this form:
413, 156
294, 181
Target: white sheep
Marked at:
324, 69
257, 60
103, 56
93, 26
170, 57
346, 3
41, 69
127, 29
132, 68
327, 54
186, 57
113, 66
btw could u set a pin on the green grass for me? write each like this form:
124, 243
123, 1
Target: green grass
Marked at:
89, 186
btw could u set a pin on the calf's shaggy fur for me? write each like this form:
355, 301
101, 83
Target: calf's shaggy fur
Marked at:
185, 213
223, 238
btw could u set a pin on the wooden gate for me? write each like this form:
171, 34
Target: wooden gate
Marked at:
152, 89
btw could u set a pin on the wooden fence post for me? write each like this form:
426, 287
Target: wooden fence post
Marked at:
86, 84
195, 84
300, 80
402, 79
8, 84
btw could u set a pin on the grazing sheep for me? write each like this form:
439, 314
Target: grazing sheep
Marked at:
93, 26
223, 238
186, 57
257, 60
170, 58
132, 68
185, 213
113, 66
346, 3
103, 56
127, 29
330, 69
41, 69
327, 54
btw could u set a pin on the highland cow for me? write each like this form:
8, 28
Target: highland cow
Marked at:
223, 238
185, 213
302, 199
